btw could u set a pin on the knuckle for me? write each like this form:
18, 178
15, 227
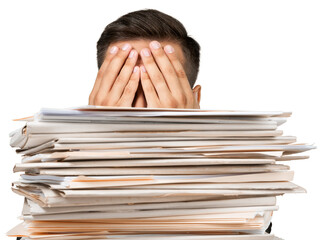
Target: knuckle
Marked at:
181, 98
119, 104
189, 101
158, 79
128, 63
181, 73
148, 61
148, 87
108, 57
158, 52
100, 73
98, 100
129, 89
189, 95
119, 57
169, 70
91, 99
105, 102
171, 102
120, 80
158, 84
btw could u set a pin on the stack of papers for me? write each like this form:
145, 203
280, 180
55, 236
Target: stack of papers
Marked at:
142, 173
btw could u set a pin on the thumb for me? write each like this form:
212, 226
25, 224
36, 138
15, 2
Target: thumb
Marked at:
197, 96
197, 93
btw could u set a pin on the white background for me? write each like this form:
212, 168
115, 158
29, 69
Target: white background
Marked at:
256, 55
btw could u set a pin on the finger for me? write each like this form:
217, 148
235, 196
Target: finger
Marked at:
129, 92
113, 50
197, 96
111, 73
166, 68
123, 77
148, 88
180, 72
154, 74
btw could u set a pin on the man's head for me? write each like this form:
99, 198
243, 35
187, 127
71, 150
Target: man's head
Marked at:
141, 27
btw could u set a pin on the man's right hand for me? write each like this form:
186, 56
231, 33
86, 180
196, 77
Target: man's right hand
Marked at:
117, 79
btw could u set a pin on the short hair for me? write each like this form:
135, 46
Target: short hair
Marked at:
151, 24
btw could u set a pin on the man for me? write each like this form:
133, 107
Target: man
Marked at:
146, 59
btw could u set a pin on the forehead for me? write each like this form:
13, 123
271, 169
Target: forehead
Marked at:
139, 44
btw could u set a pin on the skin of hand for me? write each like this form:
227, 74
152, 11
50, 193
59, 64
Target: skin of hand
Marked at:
161, 81
117, 79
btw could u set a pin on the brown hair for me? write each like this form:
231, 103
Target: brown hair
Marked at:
152, 25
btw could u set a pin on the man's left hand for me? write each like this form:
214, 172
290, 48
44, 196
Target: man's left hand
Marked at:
164, 80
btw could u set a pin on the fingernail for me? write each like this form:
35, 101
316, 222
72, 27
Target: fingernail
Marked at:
113, 50
136, 69
169, 49
155, 44
125, 47
143, 69
132, 53
146, 52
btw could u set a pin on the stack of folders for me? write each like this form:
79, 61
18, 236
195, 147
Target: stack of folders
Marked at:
142, 173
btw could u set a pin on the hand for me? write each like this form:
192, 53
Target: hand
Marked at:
117, 79
163, 79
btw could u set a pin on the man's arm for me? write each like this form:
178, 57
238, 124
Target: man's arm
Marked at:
117, 79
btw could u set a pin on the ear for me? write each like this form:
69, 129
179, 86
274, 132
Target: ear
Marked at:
197, 93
